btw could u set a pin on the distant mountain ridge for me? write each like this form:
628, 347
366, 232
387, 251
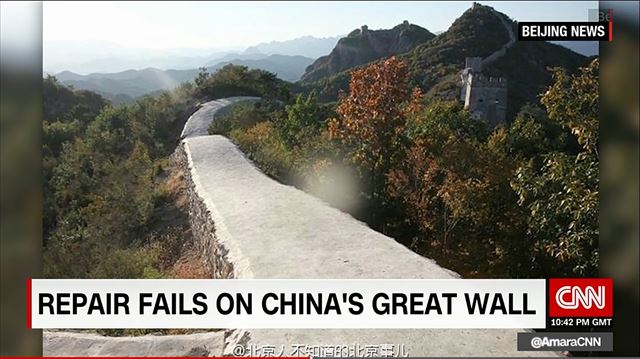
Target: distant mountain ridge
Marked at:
286, 67
84, 57
132, 83
363, 45
307, 46
101, 56
124, 86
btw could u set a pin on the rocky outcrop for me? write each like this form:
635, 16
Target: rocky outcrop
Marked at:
363, 45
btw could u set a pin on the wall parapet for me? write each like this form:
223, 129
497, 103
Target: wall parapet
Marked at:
269, 230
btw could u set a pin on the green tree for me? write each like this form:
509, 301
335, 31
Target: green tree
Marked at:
202, 77
562, 195
533, 134
122, 206
572, 101
305, 118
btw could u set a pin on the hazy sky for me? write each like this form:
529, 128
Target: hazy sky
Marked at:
163, 25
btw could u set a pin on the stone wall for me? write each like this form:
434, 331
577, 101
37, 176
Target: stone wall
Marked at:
264, 229
202, 226
205, 237
486, 98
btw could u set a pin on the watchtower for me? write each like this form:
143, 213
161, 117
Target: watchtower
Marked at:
485, 97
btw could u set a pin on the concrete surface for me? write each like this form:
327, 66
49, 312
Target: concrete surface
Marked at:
275, 231
198, 123
85, 344
278, 231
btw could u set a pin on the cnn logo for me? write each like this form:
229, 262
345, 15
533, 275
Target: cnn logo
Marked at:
581, 297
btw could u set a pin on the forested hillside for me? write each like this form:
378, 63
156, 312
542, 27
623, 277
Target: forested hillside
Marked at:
114, 205
127, 86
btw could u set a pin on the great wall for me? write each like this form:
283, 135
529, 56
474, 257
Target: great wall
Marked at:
247, 225
486, 97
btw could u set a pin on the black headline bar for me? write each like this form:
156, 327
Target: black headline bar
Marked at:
569, 31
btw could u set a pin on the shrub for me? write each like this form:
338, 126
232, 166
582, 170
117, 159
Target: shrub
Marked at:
128, 263
263, 144
102, 171
303, 119
234, 80
242, 115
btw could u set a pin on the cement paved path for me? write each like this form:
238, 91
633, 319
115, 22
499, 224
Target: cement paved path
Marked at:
198, 123
277, 231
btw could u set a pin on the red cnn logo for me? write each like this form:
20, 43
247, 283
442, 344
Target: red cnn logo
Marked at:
581, 297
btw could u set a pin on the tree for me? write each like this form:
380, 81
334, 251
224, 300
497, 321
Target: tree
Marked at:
304, 119
122, 206
532, 134
203, 76
572, 101
562, 195
372, 119
454, 184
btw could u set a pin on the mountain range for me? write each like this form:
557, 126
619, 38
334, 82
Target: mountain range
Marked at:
125, 86
85, 57
126, 73
434, 61
434, 65
308, 46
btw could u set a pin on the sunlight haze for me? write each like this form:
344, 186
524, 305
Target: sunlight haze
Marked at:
75, 33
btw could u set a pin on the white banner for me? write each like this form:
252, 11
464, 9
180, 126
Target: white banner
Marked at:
287, 303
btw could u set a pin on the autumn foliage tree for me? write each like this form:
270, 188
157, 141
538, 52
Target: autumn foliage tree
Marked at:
372, 118
453, 182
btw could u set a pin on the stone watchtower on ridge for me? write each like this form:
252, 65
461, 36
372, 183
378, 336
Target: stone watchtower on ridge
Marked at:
485, 97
